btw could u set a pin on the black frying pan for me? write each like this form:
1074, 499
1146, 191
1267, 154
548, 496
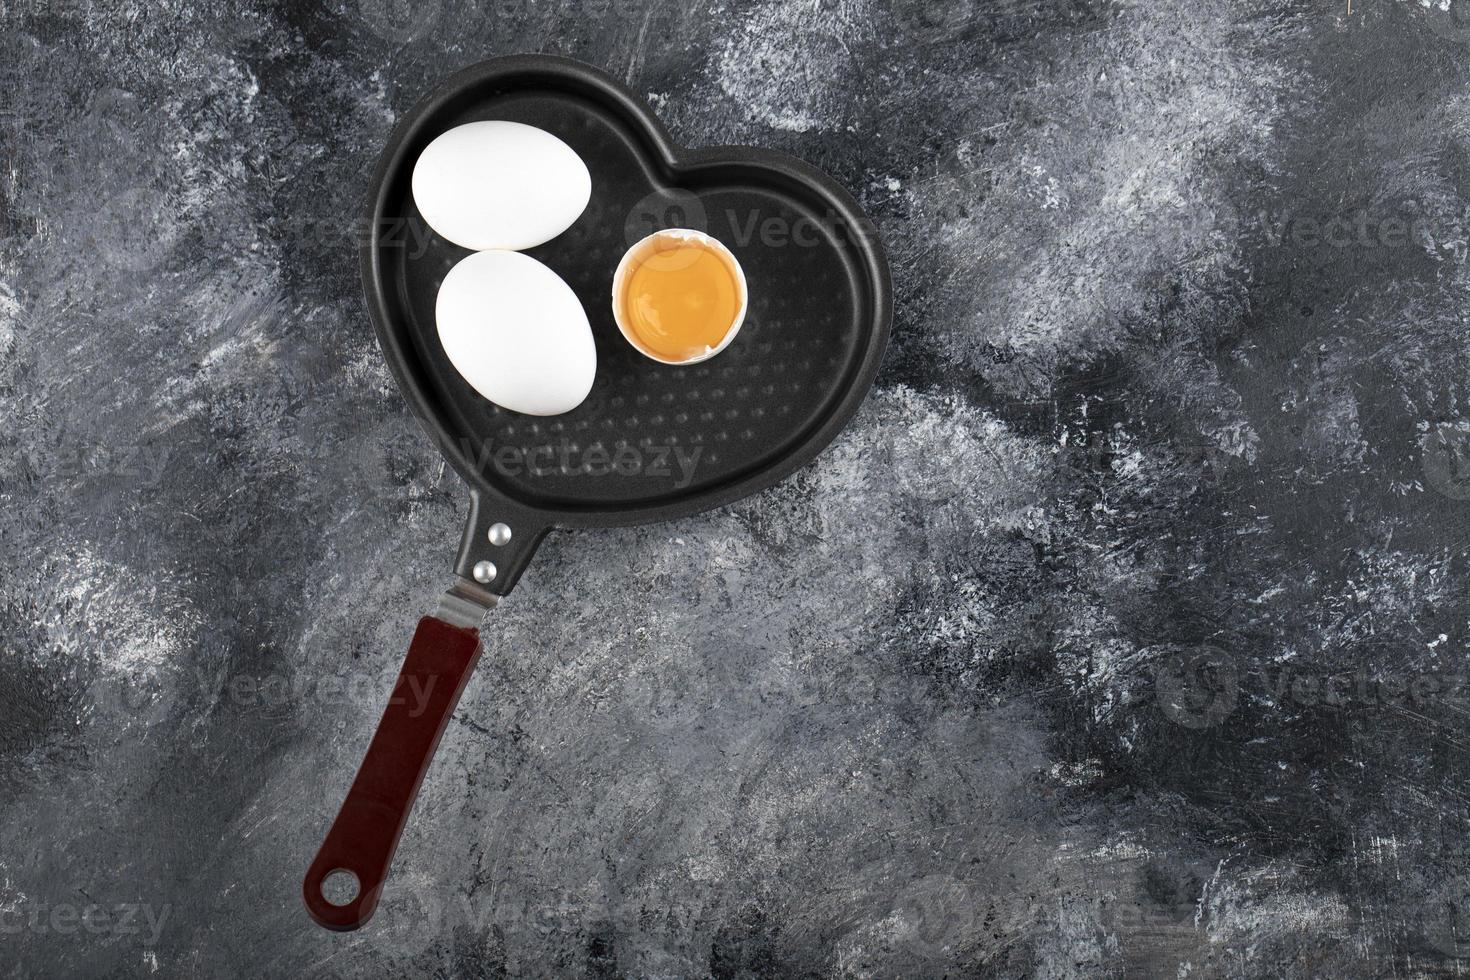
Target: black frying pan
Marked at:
651, 442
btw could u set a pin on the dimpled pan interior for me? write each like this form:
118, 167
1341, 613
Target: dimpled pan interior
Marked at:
651, 442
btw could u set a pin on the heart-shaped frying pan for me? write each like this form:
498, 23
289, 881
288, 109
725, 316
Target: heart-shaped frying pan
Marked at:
651, 442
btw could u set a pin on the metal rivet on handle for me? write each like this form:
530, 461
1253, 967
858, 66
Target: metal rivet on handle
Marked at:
499, 534
485, 572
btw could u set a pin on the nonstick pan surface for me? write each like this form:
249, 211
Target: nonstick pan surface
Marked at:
651, 442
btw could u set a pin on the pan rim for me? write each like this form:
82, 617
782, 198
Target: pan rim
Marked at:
677, 160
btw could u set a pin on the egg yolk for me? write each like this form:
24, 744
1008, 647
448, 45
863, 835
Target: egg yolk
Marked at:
680, 301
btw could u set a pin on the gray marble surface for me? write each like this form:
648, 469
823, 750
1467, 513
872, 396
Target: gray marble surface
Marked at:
1122, 634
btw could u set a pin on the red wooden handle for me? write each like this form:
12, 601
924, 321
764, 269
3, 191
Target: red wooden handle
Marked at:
365, 833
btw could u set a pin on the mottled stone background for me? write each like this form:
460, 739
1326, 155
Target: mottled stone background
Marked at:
1124, 632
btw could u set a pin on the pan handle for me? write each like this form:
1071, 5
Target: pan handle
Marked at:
365, 834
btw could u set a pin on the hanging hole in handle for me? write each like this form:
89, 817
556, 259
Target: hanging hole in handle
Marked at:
340, 887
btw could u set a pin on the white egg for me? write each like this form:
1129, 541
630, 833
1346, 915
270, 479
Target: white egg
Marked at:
500, 185
517, 333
